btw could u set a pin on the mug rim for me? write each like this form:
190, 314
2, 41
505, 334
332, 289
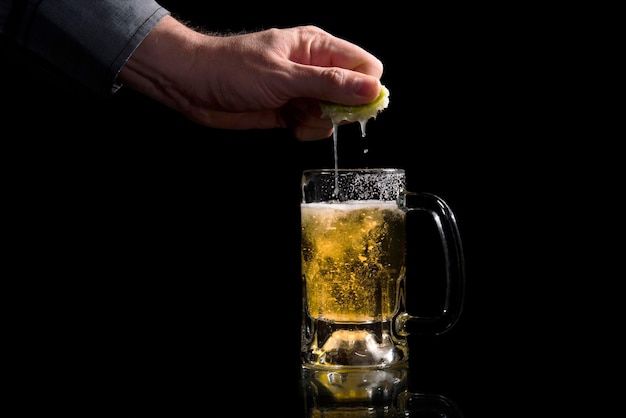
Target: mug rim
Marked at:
353, 170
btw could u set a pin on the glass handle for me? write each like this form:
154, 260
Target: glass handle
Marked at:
445, 221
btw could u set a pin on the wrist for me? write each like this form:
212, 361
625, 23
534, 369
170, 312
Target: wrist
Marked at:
160, 60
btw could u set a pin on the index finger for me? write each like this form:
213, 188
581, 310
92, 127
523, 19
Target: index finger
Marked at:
326, 50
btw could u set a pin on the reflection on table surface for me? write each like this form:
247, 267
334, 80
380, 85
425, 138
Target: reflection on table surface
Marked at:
369, 393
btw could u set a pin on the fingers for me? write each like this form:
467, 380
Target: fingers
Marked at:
343, 54
303, 118
326, 50
305, 133
263, 119
335, 85
332, 69
346, 87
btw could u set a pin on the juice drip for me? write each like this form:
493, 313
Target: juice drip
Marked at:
361, 114
336, 152
335, 129
365, 147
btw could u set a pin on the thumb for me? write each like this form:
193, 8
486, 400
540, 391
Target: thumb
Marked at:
337, 85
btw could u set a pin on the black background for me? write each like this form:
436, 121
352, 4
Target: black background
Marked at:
165, 255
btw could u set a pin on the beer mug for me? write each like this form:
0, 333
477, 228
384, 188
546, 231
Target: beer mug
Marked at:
353, 234
363, 393
369, 393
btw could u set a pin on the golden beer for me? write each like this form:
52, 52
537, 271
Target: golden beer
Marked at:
352, 260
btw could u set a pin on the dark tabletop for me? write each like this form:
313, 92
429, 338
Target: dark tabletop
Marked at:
172, 250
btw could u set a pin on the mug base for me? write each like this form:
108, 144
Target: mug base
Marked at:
367, 346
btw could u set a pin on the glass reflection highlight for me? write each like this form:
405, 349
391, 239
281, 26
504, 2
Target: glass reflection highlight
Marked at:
380, 393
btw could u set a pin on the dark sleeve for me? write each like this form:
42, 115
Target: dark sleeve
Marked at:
88, 41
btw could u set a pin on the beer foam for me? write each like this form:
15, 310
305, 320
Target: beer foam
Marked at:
348, 205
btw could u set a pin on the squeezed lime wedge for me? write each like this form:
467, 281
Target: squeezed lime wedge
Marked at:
361, 113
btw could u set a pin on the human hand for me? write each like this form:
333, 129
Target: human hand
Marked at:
268, 79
